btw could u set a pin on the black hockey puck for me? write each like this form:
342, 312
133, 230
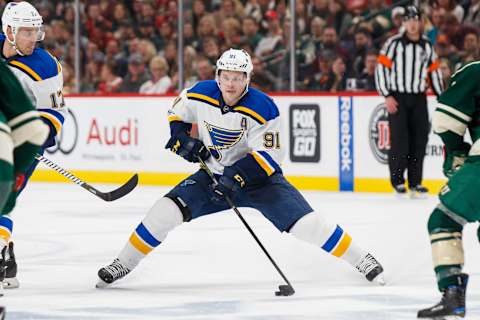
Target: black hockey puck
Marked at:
284, 291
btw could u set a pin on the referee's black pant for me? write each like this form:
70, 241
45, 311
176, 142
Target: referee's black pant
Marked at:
409, 128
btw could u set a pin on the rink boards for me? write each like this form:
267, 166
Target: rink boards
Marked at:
332, 142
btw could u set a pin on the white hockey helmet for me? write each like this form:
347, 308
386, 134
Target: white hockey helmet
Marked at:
235, 60
21, 14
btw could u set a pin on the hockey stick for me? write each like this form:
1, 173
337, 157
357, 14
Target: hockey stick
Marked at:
107, 196
283, 290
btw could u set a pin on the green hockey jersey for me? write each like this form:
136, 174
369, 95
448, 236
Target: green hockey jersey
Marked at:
459, 106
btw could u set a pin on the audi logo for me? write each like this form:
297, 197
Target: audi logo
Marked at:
68, 137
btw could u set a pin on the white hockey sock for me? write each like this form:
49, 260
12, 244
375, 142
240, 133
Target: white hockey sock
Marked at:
314, 228
160, 219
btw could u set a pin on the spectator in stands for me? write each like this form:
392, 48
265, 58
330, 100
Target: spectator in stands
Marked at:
362, 44
136, 75
339, 17
471, 48
304, 54
272, 41
337, 78
129, 21
189, 76
170, 54
207, 27
147, 49
120, 16
231, 31
451, 29
91, 75
250, 32
204, 69
189, 37
68, 16
229, 9
446, 69
473, 14
199, 9
446, 50
366, 79
301, 12
262, 79
319, 8
211, 49
319, 74
147, 31
110, 82
397, 21
68, 79
451, 7
437, 19
330, 44
96, 24
147, 11
255, 10
160, 82
381, 23
116, 57
317, 26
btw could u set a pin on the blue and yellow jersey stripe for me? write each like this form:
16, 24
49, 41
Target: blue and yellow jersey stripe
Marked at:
265, 161
203, 98
143, 240
54, 117
59, 66
40, 65
6, 227
26, 69
251, 113
338, 243
174, 117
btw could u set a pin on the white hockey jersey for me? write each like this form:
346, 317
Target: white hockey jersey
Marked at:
41, 77
252, 126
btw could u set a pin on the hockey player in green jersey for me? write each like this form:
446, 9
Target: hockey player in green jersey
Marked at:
458, 110
22, 134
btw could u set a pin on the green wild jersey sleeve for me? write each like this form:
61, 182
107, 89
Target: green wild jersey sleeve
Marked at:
14, 101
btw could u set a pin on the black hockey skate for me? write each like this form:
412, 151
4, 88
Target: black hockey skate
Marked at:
371, 269
452, 305
11, 281
3, 268
418, 192
400, 191
111, 273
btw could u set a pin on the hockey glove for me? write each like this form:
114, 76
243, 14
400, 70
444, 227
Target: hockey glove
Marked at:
230, 183
454, 160
188, 148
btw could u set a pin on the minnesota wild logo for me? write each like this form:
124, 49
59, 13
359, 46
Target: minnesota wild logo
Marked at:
222, 139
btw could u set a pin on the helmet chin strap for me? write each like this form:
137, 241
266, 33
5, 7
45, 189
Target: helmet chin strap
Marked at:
13, 43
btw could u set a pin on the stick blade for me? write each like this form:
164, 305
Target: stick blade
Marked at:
121, 191
284, 291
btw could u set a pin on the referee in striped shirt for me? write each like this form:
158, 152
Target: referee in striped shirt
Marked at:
406, 64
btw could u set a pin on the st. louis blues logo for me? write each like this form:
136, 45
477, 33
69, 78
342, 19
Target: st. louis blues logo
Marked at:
222, 139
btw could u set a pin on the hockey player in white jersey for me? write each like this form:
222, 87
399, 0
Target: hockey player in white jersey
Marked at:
41, 77
239, 138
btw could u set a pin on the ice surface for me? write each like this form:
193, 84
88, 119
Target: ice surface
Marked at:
212, 269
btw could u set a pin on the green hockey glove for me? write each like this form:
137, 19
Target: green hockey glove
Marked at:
454, 160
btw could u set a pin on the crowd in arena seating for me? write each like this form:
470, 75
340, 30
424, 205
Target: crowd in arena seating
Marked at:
131, 46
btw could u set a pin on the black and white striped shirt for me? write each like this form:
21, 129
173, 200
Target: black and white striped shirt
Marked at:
404, 66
